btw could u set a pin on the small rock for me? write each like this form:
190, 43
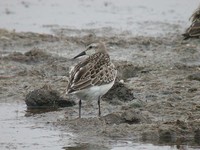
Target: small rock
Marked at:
45, 98
119, 92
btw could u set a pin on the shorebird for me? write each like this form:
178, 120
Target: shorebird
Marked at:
194, 29
93, 77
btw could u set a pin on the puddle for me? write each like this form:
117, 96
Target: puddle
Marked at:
21, 132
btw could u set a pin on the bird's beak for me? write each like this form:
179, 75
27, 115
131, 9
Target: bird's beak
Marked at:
81, 54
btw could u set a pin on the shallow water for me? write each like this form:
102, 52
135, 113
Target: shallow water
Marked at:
140, 17
21, 131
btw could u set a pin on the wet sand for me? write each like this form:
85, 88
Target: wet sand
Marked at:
157, 102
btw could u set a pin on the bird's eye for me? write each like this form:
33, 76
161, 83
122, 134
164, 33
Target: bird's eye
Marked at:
90, 47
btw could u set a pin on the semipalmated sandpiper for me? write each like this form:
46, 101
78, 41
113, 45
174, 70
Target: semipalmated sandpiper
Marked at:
94, 76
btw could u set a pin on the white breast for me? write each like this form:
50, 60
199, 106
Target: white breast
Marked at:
94, 92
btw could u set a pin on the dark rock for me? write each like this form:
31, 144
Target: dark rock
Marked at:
119, 92
45, 98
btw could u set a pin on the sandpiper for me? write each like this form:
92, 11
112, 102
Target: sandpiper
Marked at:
194, 29
94, 76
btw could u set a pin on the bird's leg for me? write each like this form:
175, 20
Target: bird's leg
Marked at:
99, 98
80, 108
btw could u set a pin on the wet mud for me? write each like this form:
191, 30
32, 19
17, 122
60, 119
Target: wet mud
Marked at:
156, 96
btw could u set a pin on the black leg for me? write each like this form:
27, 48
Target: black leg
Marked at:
80, 108
99, 105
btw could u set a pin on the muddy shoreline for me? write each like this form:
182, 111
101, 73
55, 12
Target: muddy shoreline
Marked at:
161, 74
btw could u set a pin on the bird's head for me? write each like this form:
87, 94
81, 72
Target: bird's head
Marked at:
92, 49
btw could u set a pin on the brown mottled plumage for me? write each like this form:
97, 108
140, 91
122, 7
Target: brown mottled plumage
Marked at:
93, 77
194, 30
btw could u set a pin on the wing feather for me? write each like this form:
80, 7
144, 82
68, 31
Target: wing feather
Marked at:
80, 75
